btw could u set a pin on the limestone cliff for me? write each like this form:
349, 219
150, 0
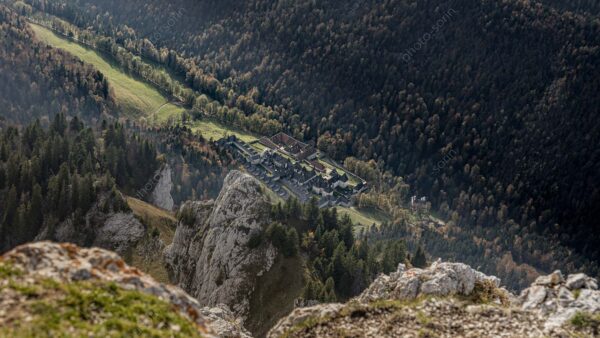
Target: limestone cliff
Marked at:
51, 290
210, 257
454, 300
161, 194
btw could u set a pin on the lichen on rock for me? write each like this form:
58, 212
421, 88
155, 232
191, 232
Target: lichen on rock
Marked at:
92, 291
454, 300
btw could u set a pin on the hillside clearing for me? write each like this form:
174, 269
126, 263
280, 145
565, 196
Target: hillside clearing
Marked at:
161, 224
214, 130
363, 218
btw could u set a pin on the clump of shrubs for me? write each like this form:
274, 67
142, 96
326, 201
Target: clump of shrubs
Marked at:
486, 291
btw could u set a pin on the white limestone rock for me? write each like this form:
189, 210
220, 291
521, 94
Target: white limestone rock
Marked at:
161, 194
576, 281
581, 281
552, 297
210, 258
300, 315
554, 278
533, 297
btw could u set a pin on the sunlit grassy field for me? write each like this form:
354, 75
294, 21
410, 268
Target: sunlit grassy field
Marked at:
136, 98
362, 217
216, 131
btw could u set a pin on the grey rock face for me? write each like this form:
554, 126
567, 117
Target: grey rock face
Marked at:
210, 258
161, 194
119, 232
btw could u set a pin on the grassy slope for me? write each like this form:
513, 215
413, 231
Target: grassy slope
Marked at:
155, 218
275, 293
214, 130
135, 97
363, 217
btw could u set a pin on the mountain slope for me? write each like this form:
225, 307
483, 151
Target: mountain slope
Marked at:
489, 108
39, 82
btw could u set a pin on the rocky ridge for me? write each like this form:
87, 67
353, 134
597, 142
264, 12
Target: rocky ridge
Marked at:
210, 257
452, 300
30, 266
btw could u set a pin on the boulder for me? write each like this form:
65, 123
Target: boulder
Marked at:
581, 281
576, 281
554, 278
533, 297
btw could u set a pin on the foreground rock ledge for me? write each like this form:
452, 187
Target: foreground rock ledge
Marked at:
450, 300
68, 263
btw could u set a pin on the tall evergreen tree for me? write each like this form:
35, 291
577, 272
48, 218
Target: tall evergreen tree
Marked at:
419, 260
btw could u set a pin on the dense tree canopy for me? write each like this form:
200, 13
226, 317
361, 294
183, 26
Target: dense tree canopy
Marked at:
488, 108
510, 88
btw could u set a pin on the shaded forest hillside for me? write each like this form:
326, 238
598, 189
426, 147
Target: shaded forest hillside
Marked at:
58, 175
487, 107
37, 81
510, 87
589, 6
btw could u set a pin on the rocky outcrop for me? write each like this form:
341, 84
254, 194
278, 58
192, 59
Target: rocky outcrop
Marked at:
67, 263
161, 194
451, 300
116, 231
210, 257
440, 279
559, 299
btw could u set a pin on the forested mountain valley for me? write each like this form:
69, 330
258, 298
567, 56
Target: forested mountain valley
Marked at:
271, 156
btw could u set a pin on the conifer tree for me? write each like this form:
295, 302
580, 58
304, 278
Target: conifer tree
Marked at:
419, 260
